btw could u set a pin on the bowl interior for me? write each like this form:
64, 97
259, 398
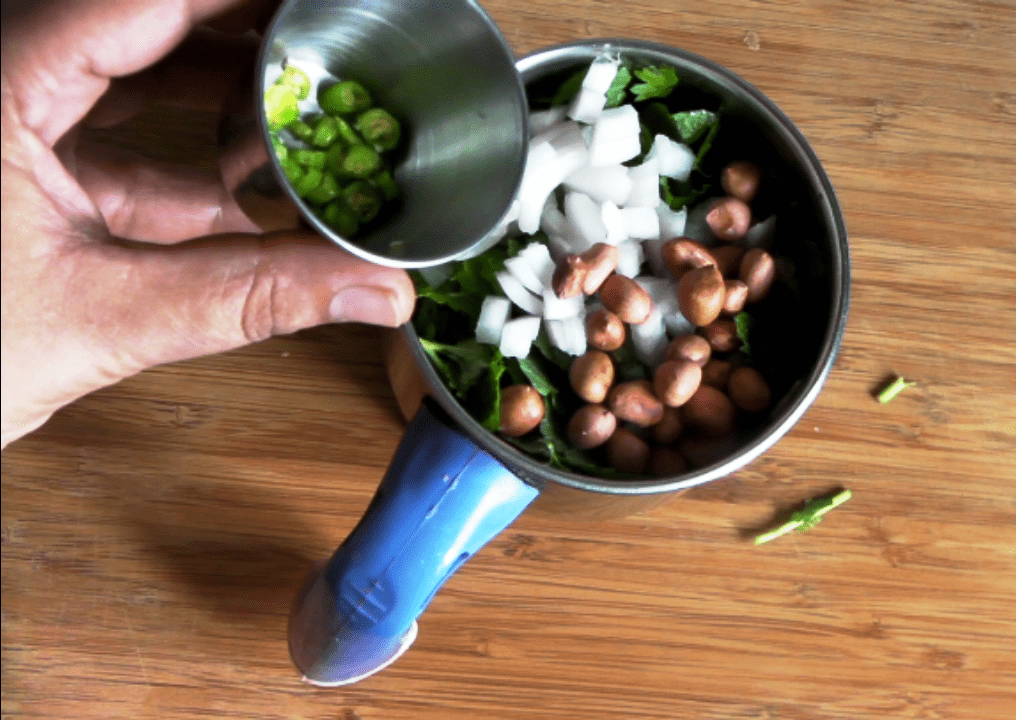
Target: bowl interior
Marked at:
800, 324
446, 72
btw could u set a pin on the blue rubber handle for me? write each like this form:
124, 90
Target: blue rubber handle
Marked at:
442, 499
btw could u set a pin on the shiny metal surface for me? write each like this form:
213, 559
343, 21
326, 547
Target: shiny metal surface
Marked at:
817, 245
447, 73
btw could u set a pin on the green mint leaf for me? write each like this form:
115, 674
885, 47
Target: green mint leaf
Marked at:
692, 124
657, 82
707, 143
616, 91
743, 322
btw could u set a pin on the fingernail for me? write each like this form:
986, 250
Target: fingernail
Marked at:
373, 305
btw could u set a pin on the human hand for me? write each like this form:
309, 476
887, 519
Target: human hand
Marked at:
105, 271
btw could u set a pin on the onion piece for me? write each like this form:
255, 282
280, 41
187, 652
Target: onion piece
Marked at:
617, 231
601, 73
518, 294
615, 137
568, 335
645, 189
534, 190
649, 339
539, 259
608, 183
555, 308
673, 159
640, 223
629, 258
518, 335
493, 315
583, 215
587, 105
520, 268
672, 222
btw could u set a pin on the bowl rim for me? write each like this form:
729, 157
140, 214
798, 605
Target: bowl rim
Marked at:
798, 399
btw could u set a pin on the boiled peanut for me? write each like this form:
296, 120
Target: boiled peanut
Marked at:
627, 452
604, 330
728, 258
729, 218
600, 261
700, 295
591, 376
666, 462
710, 411
591, 426
689, 347
669, 428
716, 373
522, 409
626, 298
736, 297
741, 179
568, 277
749, 390
721, 335
683, 254
635, 402
758, 270
676, 380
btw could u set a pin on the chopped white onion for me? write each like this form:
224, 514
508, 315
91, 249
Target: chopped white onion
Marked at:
615, 137
601, 73
607, 183
629, 258
649, 339
520, 268
695, 226
435, 275
493, 315
678, 324
537, 185
617, 231
640, 223
587, 105
518, 294
673, 159
565, 135
555, 308
518, 335
645, 188
539, 259
583, 215
672, 222
568, 335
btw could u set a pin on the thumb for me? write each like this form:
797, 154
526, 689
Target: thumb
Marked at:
226, 291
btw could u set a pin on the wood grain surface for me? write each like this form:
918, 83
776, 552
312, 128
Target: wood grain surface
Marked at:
154, 532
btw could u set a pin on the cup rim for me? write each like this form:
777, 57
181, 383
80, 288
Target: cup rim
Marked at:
796, 402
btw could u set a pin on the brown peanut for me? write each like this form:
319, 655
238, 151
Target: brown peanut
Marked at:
591, 426
522, 409
568, 277
627, 452
721, 335
700, 295
604, 330
669, 428
758, 271
626, 298
683, 254
710, 411
716, 373
591, 376
729, 218
666, 462
748, 390
741, 179
635, 402
728, 259
601, 261
736, 297
694, 348
676, 380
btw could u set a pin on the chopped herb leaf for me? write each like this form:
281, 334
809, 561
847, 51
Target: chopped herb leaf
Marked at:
692, 124
744, 322
616, 91
807, 517
657, 82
